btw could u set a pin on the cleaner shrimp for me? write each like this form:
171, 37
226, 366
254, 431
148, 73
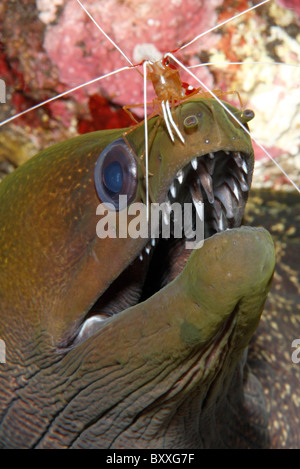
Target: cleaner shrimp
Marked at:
271, 107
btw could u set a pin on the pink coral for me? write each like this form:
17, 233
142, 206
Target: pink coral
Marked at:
293, 5
81, 52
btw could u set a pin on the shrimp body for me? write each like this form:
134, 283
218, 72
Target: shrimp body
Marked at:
167, 83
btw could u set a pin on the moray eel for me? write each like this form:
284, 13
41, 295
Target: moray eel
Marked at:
109, 345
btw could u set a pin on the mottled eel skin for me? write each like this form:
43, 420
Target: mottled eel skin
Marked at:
167, 372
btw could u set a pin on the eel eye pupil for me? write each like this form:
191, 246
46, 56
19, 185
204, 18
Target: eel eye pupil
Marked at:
116, 174
113, 177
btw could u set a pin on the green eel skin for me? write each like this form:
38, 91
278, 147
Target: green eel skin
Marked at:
167, 372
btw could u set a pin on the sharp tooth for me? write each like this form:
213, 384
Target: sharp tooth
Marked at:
195, 190
141, 257
244, 167
199, 206
147, 249
239, 176
173, 190
194, 163
221, 223
179, 176
241, 163
211, 155
206, 182
153, 241
223, 193
243, 182
237, 158
210, 165
234, 188
217, 209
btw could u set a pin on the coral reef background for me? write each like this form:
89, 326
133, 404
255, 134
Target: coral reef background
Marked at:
49, 47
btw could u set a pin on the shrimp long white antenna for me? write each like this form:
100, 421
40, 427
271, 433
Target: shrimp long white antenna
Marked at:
104, 33
219, 25
233, 116
165, 114
9, 119
170, 117
248, 62
146, 138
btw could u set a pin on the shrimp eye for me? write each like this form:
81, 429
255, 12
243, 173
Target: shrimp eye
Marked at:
190, 123
116, 174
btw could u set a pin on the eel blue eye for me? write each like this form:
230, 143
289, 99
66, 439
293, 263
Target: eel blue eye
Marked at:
116, 174
113, 177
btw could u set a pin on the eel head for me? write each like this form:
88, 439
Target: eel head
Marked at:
125, 342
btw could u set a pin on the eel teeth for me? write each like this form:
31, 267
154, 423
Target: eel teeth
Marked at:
240, 178
221, 224
233, 187
179, 176
238, 158
195, 191
210, 165
242, 181
217, 209
214, 179
219, 221
199, 206
224, 195
242, 165
197, 199
173, 190
245, 167
194, 163
206, 181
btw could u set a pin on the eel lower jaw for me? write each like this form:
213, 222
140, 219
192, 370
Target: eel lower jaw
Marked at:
219, 180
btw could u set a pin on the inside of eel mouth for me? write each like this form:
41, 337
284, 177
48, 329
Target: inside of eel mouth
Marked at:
219, 180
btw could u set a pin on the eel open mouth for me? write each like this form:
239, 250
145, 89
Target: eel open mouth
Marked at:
221, 181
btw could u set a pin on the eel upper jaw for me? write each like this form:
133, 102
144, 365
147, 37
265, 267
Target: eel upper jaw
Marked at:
221, 180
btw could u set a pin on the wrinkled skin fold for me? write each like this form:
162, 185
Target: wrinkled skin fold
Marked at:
165, 372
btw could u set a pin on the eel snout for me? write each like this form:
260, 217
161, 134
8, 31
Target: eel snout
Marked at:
232, 272
180, 345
